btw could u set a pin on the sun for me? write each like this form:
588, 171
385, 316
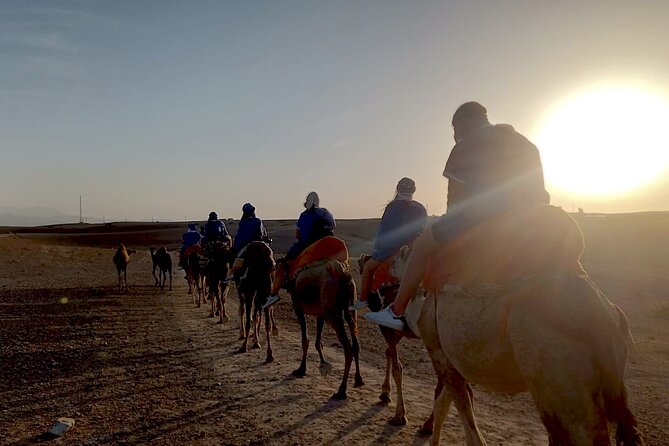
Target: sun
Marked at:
606, 140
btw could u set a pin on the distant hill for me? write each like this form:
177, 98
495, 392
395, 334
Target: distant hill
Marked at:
33, 216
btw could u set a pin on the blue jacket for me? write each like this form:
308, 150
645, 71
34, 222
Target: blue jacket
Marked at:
402, 222
250, 230
314, 224
215, 230
191, 238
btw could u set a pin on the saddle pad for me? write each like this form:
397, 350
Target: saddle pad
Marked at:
519, 243
327, 248
193, 249
382, 275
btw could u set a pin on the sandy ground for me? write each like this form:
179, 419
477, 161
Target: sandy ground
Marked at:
146, 366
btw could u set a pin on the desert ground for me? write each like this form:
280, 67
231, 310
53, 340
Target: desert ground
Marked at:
147, 366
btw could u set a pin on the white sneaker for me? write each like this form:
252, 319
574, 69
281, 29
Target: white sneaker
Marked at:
270, 301
358, 305
387, 318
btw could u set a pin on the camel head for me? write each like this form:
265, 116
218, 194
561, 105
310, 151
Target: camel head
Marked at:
400, 262
279, 276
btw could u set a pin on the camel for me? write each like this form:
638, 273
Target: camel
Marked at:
218, 264
121, 259
515, 312
194, 273
386, 295
254, 283
163, 261
325, 290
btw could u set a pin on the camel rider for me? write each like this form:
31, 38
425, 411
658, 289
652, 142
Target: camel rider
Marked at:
403, 220
251, 229
190, 238
312, 225
492, 169
215, 230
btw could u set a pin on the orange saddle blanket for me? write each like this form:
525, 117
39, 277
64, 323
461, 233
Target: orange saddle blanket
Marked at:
520, 243
193, 249
327, 248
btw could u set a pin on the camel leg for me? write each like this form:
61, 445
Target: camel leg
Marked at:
242, 332
440, 410
428, 426
169, 272
119, 279
223, 294
247, 326
275, 328
302, 370
355, 346
385, 387
337, 323
257, 320
399, 419
325, 368
268, 325
154, 275
125, 279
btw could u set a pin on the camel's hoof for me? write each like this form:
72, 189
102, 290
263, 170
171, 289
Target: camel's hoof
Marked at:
300, 373
358, 383
385, 398
325, 369
211, 315
241, 337
255, 345
425, 431
242, 350
219, 322
269, 360
339, 396
275, 331
398, 421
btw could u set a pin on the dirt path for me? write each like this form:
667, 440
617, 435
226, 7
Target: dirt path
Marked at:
148, 367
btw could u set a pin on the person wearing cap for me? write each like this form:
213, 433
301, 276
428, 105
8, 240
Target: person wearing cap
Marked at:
250, 229
491, 169
312, 225
403, 220
190, 238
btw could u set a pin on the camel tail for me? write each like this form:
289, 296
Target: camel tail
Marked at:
618, 412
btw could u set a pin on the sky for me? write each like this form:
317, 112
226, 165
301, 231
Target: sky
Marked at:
171, 109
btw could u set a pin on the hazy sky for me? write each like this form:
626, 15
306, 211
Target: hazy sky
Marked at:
172, 109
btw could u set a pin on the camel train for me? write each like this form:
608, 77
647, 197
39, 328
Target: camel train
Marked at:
507, 307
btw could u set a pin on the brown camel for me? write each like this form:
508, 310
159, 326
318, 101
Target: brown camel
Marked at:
324, 290
218, 264
163, 261
254, 284
194, 273
121, 259
386, 295
518, 313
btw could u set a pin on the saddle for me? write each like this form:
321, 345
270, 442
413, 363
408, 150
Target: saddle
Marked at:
383, 277
327, 248
526, 242
193, 249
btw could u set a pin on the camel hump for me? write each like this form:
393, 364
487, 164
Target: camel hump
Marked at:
327, 248
524, 242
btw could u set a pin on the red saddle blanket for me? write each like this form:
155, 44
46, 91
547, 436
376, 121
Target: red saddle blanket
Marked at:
520, 243
193, 249
383, 276
327, 248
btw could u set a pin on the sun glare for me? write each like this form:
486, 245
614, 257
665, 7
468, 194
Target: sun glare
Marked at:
606, 140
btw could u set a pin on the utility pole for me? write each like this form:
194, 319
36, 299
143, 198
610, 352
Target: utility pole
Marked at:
81, 219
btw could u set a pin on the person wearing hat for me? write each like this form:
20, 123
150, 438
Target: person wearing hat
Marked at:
403, 220
312, 225
250, 229
190, 238
492, 169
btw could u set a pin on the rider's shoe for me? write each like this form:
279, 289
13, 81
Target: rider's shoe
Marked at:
270, 301
387, 318
358, 305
